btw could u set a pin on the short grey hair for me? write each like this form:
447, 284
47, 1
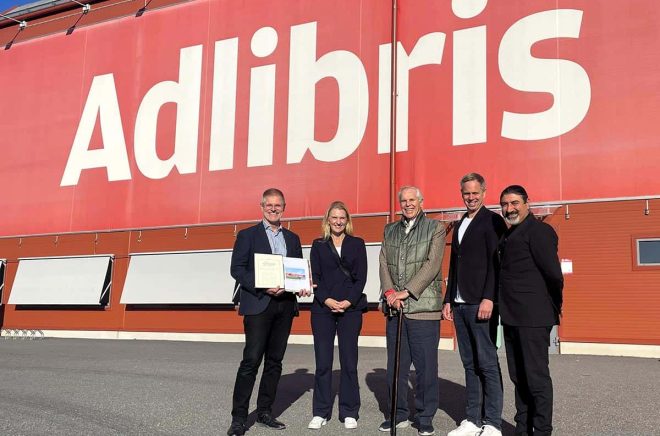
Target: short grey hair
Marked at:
272, 192
474, 177
417, 191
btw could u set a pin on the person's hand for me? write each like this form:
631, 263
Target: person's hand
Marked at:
485, 309
344, 304
447, 313
275, 291
304, 293
387, 295
333, 305
330, 302
395, 299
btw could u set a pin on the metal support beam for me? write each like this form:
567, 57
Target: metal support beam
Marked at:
21, 24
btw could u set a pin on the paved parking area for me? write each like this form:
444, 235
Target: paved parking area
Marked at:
112, 387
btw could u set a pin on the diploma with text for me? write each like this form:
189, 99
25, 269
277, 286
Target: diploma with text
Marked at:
275, 271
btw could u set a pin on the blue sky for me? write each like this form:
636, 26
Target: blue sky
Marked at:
6, 4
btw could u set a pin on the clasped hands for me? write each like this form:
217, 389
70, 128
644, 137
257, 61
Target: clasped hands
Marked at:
395, 298
337, 306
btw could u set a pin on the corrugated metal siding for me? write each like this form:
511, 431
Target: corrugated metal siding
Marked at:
605, 299
167, 319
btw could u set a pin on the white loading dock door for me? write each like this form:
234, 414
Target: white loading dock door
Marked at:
193, 277
203, 277
60, 281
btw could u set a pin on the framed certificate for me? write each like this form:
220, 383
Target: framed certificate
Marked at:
275, 271
268, 270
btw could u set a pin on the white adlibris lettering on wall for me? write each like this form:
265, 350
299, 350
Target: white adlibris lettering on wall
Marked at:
565, 80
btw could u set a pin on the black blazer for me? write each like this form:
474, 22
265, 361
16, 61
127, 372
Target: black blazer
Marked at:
248, 242
473, 264
531, 281
330, 281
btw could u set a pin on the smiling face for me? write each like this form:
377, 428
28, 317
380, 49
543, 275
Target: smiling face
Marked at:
273, 208
337, 220
514, 208
473, 196
411, 205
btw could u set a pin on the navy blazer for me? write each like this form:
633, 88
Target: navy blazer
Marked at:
331, 281
248, 242
531, 281
473, 263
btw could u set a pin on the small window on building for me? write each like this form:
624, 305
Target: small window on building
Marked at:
648, 252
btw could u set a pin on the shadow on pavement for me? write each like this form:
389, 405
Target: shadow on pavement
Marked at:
289, 390
377, 384
452, 402
292, 387
452, 397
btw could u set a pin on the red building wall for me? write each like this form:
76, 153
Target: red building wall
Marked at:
608, 300
610, 153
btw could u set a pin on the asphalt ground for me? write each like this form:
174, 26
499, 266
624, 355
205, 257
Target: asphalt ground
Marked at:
114, 387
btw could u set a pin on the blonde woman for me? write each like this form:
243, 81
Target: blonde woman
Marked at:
339, 268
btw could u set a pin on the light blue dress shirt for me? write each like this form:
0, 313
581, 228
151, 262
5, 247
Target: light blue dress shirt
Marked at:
275, 239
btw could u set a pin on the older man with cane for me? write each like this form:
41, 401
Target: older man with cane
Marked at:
411, 281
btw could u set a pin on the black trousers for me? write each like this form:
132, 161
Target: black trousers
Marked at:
346, 326
527, 359
266, 336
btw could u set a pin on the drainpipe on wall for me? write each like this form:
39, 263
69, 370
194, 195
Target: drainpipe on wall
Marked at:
393, 98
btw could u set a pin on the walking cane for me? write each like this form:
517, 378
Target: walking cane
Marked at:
395, 382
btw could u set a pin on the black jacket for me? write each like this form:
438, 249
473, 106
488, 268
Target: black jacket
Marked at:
331, 281
531, 281
254, 240
473, 265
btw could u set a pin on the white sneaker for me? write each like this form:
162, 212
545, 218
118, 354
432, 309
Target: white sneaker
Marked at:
489, 430
317, 422
350, 422
466, 428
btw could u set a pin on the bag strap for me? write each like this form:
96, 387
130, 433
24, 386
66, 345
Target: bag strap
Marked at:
338, 259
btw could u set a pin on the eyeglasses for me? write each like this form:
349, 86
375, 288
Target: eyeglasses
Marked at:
273, 207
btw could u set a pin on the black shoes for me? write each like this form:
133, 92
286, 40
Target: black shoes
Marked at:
266, 420
236, 429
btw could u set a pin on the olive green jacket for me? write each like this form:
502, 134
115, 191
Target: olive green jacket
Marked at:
413, 262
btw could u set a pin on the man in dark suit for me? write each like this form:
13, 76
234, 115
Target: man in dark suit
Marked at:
268, 313
531, 285
469, 303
